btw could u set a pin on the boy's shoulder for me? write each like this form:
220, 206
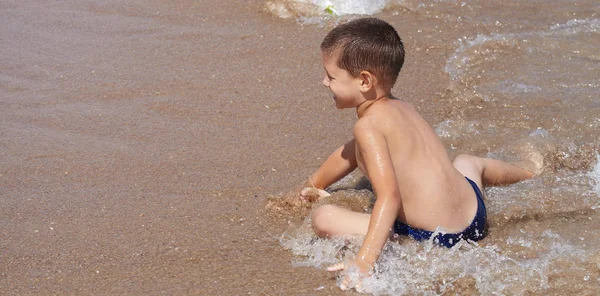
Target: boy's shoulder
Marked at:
387, 118
366, 123
370, 124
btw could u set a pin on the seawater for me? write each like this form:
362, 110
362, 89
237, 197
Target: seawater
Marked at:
528, 250
529, 83
411, 268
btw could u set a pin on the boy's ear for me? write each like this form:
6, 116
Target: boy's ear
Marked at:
367, 81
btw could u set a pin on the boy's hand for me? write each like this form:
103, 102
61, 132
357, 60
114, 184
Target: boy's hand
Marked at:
313, 194
365, 270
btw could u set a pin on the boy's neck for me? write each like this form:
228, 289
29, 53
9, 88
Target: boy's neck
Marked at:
362, 108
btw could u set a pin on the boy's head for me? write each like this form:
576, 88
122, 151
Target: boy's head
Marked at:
367, 44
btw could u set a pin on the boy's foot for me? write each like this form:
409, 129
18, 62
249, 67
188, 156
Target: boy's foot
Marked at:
533, 162
530, 153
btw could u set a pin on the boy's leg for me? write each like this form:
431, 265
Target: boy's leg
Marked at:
330, 220
487, 171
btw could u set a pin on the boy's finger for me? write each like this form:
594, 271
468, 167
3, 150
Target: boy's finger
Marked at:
323, 193
359, 288
343, 287
305, 191
313, 194
336, 267
345, 284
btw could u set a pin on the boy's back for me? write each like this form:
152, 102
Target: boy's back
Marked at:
433, 193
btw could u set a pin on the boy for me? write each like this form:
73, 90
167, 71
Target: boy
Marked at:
417, 187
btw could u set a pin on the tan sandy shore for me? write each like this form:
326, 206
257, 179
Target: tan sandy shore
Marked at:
140, 140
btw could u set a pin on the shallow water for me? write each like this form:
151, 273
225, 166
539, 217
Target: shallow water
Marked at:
140, 143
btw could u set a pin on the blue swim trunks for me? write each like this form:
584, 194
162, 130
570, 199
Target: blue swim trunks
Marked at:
475, 231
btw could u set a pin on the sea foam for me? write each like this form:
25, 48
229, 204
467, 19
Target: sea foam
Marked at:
303, 9
406, 267
595, 176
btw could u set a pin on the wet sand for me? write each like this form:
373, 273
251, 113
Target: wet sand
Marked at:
140, 141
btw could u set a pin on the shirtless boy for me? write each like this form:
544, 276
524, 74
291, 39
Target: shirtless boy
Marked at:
418, 188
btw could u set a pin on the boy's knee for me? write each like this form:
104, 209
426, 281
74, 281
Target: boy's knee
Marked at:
469, 165
462, 158
465, 161
321, 220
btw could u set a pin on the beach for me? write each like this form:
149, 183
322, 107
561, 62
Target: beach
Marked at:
142, 140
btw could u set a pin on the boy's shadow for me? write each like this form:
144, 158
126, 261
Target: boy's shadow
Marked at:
363, 184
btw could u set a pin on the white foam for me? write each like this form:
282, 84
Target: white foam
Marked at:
343, 7
540, 133
457, 64
594, 174
306, 9
452, 128
576, 26
518, 241
407, 267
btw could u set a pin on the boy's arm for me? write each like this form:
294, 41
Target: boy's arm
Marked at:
339, 164
380, 170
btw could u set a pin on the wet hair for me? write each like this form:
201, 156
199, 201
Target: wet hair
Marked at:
367, 44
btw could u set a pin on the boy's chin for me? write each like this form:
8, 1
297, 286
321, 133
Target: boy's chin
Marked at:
339, 104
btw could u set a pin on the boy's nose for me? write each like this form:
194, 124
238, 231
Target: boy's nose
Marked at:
325, 81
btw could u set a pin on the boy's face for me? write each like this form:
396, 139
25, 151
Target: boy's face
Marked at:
345, 88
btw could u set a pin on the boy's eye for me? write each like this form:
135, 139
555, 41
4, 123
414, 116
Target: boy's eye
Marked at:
329, 77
